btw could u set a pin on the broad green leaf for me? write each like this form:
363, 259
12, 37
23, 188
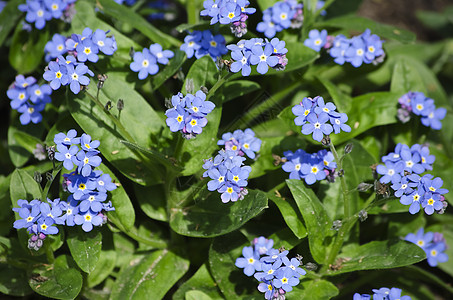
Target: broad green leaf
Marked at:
151, 277
17, 153
209, 217
230, 279
60, 282
388, 206
315, 289
124, 214
316, 219
200, 281
5, 200
400, 225
23, 186
197, 295
122, 13
285, 238
26, 140
152, 201
85, 247
378, 255
237, 88
13, 281
264, 4
291, 215
138, 118
406, 78
202, 73
9, 18
368, 111
27, 50
351, 22
104, 267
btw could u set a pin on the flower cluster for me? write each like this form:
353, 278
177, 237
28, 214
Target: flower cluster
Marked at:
383, 294
88, 187
72, 69
234, 12
276, 273
29, 98
263, 54
40, 11
188, 113
146, 62
420, 105
403, 168
313, 115
201, 43
245, 142
362, 49
228, 175
310, 167
433, 244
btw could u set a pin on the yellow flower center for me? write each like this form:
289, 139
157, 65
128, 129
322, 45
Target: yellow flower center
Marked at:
235, 178
371, 49
29, 219
86, 160
195, 109
54, 6
306, 112
87, 146
87, 50
179, 119
234, 148
43, 226
60, 47
87, 217
284, 280
433, 252
283, 16
82, 186
318, 42
432, 189
314, 170
229, 190
297, 167
40, 13
420, 243
38, 92
58, 74
231, 15
91, 198
221, 179
419, 106
193, 122
430, 201
101, 43
145, 63
213, 44
251, 260
246, 146
30, 110
21, 96
74, 76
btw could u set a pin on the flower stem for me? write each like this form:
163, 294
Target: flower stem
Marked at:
344, 188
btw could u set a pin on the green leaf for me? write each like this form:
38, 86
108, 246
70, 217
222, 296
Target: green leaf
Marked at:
9, 18
27, 50
17, 153
368, 111
230, 279
378, 255
406, 78
315, 289
210, 217
202, 73
237, 88
291, 215
135, 20
200, 281
13, 281
285, 238
197, 295
139, 119
355, 23
26, 140
152, 201
104, 266
85, 247
59, 282
23, 186
316, 219
152, 276
124, 215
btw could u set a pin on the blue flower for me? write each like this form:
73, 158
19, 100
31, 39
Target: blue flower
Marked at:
302, 110
80, 185
191, 43
267, 26
434, 117
312, 172
55, 47
36, 13
104, 183
229, 13
269, 270
316, 39
282, 14
262, 245
87, 144
293, 264
317, 126
358, 296
212, 9
268, 289
373, 46
338, 50
250, 261
55, 7
230, 192
67, 156
279, 46
87, 220
431, 202
29, 215
435, 255
67, 139
218, 176
285, 279
161, 55
241, 62
57, 75
76, 77
262, 58
175, 118
87, 50
194, 124
356, 52
92, 201
391, 171
39, 93
239, 175
31, 113
106, 45
413, 199
45, 225
144, 63
87, 160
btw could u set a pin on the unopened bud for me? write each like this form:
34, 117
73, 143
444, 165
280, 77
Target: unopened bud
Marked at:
311, 266
204, 89
49, 176
363, 215
102, 78
108, 106
363, 187
51, 152
336, 225
120, 104
325, 141
348, 148
37, 177
132, 52
189, 86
